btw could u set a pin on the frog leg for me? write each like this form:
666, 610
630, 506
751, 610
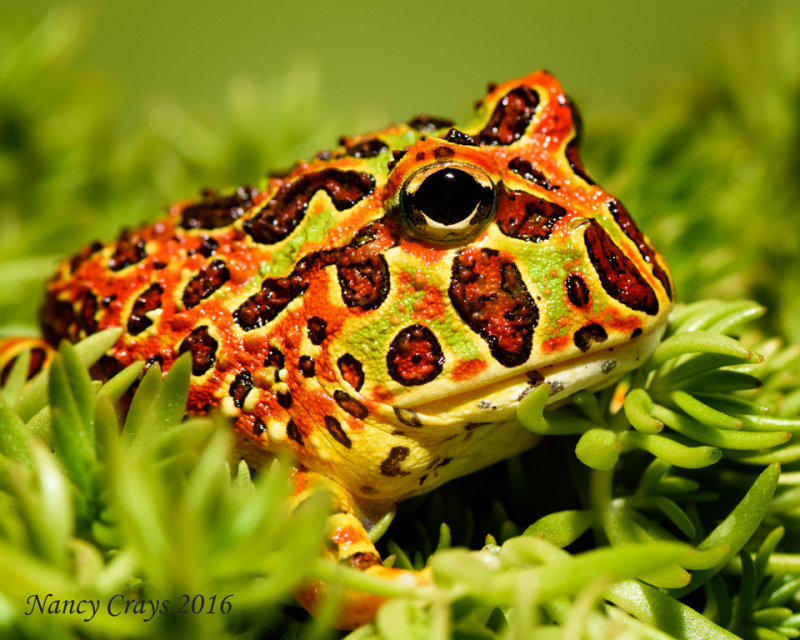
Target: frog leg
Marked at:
11, 348
348, 543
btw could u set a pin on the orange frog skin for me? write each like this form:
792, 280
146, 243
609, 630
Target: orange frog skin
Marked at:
380, 311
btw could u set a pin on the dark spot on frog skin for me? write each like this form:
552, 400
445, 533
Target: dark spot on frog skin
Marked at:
281, 215
627, 224
618, 274
368, 490
362, 561
608, 366
459, 137
414, 356
408, 417
352, 371
367, 148
510, 118
284, 399
364, 282
443, 152
242, 385
264, 306
77, 260
429, 123
216, 211
535, 377
207, 281
86, 318
527, 217
396, 155
485, 404
636, 333
490, 296
130, 250
336, 431
350, 404
258, 427
108, 367
525, 169
148, 300
588, 335
37, 359
306, 366
571, 152
206, 248
573, 159
58, 317
577, 291
293, 433
275, 359
203, 348
61, 319
316, 330
391, 465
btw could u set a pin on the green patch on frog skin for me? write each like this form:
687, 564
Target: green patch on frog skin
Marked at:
401, 140
313, 229
461, 342
378, 166
546, 269
401, 314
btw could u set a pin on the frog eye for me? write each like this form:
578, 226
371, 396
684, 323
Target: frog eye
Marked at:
447, 202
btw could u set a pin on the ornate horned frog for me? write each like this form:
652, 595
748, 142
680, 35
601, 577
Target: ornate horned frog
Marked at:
381, 310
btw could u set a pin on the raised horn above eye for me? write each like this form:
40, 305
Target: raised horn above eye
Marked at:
447, 202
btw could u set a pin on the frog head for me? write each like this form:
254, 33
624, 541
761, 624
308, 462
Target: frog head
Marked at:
485, 262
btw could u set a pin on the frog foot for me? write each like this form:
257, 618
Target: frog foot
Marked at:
348, 543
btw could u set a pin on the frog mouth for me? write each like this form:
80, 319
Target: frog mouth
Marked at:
498, 400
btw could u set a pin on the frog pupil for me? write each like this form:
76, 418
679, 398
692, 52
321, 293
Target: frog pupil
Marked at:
450, 195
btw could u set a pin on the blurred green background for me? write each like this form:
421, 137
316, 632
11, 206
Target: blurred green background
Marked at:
379, 61
110, 110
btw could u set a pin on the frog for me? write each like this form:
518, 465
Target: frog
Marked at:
379, 311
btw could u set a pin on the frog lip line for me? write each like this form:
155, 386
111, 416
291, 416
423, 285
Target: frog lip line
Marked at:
565, 378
